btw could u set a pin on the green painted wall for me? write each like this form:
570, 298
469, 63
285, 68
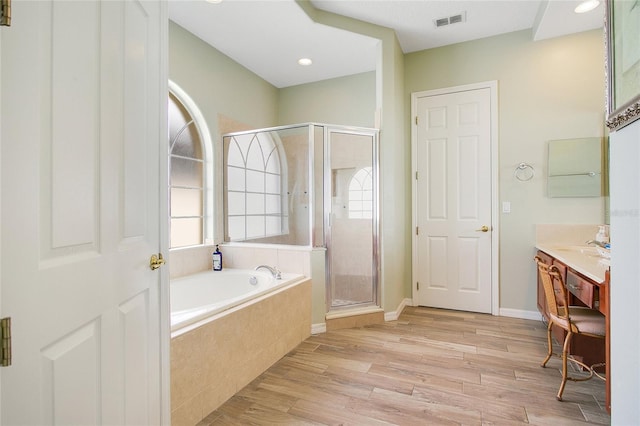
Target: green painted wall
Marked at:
222, 87
395, 149
349, 101
549, 89
218, 84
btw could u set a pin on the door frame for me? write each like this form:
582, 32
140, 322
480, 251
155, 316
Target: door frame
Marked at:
1, 284
163, 181
495, 237
336, 312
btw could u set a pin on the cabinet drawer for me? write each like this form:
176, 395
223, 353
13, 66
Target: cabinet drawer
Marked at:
545, 257
580, 287
562, 268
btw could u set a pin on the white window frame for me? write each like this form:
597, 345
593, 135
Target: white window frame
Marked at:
207, 151
282, 214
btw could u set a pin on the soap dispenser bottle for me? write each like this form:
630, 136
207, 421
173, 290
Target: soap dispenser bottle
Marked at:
217, 259
602, 236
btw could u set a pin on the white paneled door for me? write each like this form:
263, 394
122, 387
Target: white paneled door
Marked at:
453, 200
83, 102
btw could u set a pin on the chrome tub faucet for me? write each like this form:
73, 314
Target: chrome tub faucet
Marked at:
274, 271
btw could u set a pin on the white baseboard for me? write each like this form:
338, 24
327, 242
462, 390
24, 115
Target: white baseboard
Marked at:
518, 313
319, 328
393, 316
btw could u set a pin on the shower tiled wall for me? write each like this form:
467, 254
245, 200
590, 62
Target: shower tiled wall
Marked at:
197, 259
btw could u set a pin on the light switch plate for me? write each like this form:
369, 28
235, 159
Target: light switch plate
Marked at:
506, 207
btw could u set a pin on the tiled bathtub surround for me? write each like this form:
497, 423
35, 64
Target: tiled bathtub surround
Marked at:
211, 363
190, 260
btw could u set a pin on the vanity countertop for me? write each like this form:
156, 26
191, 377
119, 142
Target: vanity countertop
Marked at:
584, 260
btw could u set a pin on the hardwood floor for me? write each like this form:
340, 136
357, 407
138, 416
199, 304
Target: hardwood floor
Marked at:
431, 367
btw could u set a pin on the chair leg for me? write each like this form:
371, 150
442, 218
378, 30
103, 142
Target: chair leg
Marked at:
549, 345
595, 373
565, 373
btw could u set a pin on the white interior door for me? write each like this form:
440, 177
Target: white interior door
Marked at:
82, 110
454, 200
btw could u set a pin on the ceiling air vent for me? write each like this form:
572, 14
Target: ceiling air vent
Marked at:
454, 19
442, 22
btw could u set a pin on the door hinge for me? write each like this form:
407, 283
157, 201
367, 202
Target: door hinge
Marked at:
417, 230
5, 338
416, 175
5, 13
417, 285
416, 120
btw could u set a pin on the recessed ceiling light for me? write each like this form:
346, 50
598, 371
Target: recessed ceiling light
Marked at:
213, 1
586, 6
305, 62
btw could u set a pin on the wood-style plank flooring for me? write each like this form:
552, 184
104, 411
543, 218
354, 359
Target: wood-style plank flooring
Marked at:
431, 367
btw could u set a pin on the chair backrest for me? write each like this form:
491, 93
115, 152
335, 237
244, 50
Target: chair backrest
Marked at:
555, 291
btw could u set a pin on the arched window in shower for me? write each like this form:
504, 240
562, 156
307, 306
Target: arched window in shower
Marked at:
190, 177
361, 194
254, 178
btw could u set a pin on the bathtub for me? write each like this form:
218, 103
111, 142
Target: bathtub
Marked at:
226, 331
205, 294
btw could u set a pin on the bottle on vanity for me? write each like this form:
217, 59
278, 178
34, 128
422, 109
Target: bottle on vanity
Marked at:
217, 259
602, 236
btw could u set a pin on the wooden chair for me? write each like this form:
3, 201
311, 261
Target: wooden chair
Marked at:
572, 319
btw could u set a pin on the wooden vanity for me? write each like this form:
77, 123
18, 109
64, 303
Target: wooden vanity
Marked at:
587, 279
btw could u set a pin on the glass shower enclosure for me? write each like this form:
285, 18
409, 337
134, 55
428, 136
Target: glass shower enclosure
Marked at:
312, 185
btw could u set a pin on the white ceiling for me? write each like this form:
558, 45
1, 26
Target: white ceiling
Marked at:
269, 36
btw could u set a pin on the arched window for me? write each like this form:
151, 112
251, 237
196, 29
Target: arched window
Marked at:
254, 187
189, 172
361, 195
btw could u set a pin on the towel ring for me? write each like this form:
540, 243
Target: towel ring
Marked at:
524, 172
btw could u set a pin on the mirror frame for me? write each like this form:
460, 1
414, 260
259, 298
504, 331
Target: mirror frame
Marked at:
620, 112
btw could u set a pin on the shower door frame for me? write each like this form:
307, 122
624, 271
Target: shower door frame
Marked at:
328, 208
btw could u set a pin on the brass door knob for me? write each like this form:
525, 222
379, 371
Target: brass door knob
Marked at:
156, 261
484, 228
